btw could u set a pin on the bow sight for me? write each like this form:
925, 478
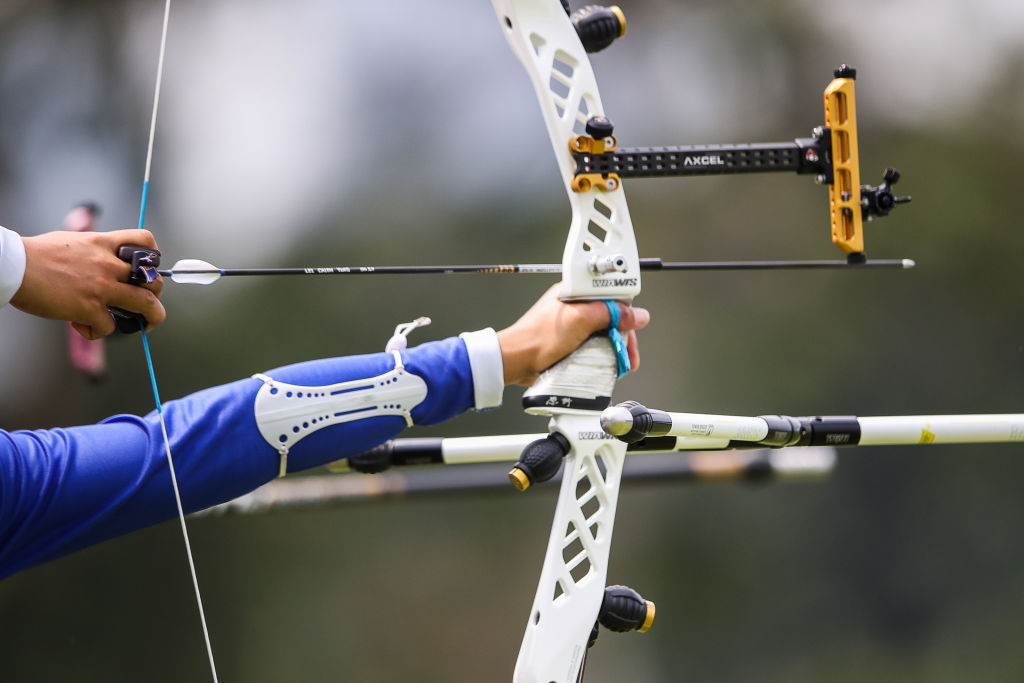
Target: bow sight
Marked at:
830, 154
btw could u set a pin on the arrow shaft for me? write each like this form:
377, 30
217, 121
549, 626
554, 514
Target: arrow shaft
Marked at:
371, 270
655, 264
647, 264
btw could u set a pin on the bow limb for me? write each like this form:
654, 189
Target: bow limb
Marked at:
600, 261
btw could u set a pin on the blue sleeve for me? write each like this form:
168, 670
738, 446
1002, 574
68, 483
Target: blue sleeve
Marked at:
64, 489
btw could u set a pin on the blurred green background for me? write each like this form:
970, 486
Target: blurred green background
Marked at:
317, 132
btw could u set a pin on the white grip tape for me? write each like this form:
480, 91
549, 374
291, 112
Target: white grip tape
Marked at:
286, 413
588, 372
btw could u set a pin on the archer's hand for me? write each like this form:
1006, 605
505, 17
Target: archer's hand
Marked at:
77, 276
552, 329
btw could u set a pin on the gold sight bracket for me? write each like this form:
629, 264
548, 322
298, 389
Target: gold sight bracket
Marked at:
844, 192
598, 141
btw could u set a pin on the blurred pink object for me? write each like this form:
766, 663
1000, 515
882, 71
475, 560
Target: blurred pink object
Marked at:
87, 356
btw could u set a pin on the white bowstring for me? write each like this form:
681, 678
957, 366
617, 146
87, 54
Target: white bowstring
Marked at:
149, 359
156, 91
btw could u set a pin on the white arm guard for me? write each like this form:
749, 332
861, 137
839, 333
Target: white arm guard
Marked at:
285, 413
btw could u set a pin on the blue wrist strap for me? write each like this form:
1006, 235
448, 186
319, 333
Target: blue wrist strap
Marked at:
618, 343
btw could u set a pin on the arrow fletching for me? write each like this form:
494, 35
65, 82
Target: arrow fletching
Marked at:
194, 272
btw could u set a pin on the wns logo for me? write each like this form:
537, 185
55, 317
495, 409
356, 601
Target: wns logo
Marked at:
594, 436
615, 282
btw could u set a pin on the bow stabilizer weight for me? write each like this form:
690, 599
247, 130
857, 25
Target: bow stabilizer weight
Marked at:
624, 610
539, 461
597, 26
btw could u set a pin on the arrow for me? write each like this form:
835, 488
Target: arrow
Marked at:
196, 272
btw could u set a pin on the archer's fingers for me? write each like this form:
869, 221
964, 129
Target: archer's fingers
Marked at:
83, 329
97, 325
633, 349
141, 300
599, 317
156, 286
142, 238
103, 264
116, 238
632, 317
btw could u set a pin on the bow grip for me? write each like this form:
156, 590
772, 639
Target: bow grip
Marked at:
582, 381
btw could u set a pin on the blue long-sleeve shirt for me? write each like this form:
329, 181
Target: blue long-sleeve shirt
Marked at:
64, 489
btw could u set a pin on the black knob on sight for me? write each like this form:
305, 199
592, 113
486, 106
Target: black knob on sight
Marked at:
539, 461
599, 127
845, 71
879, 201
598, 26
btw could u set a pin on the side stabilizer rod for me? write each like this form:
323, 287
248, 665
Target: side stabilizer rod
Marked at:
632, 421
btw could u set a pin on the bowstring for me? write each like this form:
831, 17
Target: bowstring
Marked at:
149, 357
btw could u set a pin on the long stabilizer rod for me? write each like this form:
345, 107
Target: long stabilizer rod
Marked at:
196, 272
631, 421
754, 466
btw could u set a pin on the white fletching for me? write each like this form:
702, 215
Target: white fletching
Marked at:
194, 272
